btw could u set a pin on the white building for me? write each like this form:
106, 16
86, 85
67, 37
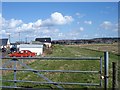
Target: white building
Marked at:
32, 47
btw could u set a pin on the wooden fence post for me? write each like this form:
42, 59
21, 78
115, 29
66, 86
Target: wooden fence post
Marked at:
114, 75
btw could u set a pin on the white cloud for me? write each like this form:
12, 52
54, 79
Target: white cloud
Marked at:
27, 26
38, 28
2, 32
14, 23
48, 22
116, 27
96, 35
79, 15
56, 30
81, 28
106, 25
45, 31
38, 23
85, 36
60, 35
57, 19
24, 27
74, 34
2, 21
88, 22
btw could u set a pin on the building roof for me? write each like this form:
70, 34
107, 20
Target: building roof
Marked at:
48, 40
3, 42
36, 42
30, 46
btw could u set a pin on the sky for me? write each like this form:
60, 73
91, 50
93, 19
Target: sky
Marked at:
58, 20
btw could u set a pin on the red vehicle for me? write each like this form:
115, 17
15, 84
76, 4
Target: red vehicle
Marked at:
23, 53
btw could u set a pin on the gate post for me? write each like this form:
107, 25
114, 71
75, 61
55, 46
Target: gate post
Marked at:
114, 76
106, 65
100, 71
15, 73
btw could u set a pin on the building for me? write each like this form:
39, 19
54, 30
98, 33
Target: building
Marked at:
32, 47
4, 43
13, 45
45, 41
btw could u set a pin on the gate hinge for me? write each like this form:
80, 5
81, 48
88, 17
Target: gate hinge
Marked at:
103, 77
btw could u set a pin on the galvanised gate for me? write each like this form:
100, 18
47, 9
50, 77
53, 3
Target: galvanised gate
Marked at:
48, 81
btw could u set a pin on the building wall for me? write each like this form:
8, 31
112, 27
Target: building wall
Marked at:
32, 47
39, 51
48, 44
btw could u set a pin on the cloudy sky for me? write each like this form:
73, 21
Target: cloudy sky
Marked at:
59, 20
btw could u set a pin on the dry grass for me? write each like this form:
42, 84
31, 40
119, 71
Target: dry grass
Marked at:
113, 48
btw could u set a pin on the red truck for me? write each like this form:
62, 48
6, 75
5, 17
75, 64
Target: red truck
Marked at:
23, 53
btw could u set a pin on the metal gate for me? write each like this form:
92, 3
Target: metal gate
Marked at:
57, 84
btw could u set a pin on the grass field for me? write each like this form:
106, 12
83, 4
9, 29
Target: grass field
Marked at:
113, 48
67, 51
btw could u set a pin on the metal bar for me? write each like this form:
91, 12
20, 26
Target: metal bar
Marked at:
20, 88
11, 87
6, 63
55, 58
40, 75
106, 62
15, 73
100, 71
64, 71
65, 83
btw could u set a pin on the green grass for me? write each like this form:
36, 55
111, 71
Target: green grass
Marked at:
65, 51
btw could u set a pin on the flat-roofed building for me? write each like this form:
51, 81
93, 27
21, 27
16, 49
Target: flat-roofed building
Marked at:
32, 47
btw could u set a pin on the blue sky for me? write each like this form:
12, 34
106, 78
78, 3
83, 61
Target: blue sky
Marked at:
59, 20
